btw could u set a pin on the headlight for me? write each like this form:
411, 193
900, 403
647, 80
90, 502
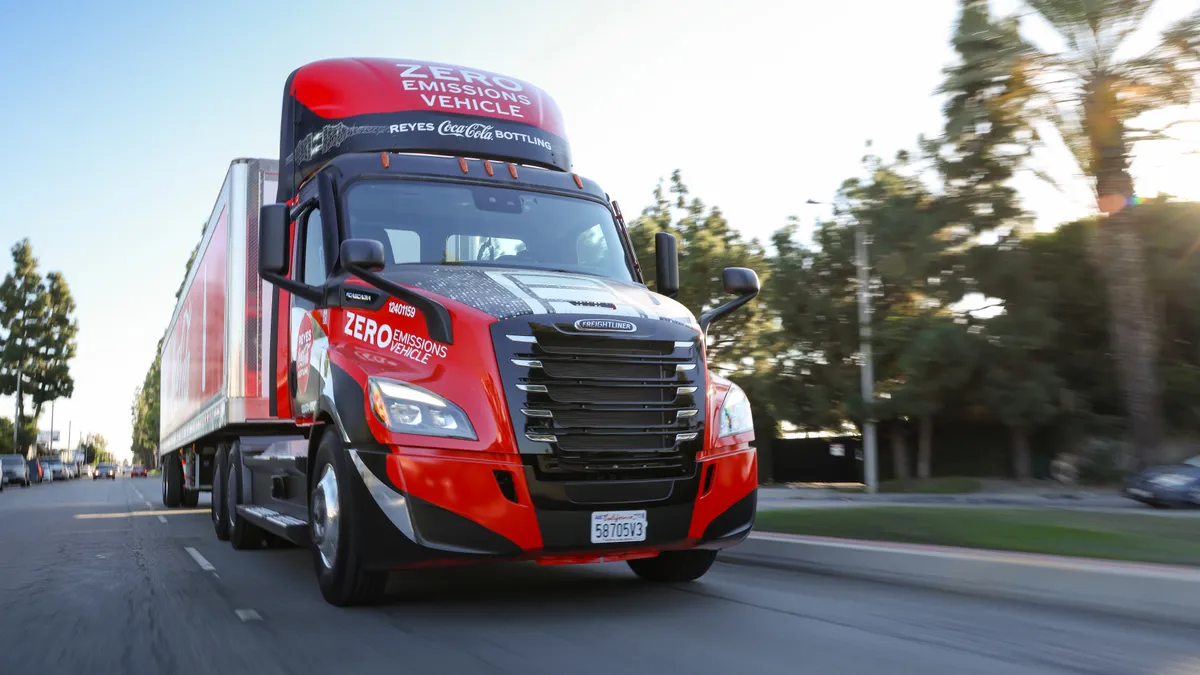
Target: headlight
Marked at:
409, 409
735, 413
1172, 480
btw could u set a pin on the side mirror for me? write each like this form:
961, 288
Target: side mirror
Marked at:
666, 259
273, 239
738, 281
363, 254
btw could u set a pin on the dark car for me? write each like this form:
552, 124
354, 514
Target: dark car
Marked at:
137, 471
105, 471
1165, 486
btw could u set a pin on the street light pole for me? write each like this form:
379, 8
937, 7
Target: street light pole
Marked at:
867, 368
867, 371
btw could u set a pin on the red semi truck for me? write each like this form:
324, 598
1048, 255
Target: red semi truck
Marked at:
419, 339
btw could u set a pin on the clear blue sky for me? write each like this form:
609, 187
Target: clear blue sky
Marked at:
120, 119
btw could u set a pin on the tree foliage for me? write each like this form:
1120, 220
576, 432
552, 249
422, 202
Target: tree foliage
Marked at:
38, 338
95, 449
1094, 97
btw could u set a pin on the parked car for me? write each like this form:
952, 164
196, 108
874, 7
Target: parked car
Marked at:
37, 472
14, 470
1167, 486
105, 471
54, 469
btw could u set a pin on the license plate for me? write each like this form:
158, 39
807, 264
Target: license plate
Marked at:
1138, 492
612, 527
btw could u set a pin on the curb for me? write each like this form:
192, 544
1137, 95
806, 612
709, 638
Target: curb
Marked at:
1143, 591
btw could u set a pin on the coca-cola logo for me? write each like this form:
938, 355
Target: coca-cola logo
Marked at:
477, 131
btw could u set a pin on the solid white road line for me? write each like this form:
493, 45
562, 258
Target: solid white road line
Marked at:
204, 564
248, 615
162, 519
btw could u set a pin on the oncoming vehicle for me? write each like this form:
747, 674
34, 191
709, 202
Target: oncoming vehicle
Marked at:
105, 471
420, 339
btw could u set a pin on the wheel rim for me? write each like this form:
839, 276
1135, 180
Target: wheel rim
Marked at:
326, 515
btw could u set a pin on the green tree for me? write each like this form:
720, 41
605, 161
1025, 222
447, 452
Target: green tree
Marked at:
1093, 96
22, 314
915, 279
707, 245
95, 449
25, 439
56, 344
1021, 385
38, 339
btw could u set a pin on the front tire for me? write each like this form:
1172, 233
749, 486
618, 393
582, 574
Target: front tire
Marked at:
335, 544
220, 510
674, 567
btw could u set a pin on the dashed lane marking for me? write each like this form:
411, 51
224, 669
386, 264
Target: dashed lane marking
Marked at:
200, 560
162, 519
248, 615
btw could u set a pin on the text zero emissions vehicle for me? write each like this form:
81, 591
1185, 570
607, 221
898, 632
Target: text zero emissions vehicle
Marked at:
419, 339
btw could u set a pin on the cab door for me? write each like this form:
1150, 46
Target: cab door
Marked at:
307, 323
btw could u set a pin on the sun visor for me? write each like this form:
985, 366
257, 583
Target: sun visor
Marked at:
341, 106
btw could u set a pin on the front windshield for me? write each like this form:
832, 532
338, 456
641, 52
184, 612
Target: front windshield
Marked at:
453, 224
11, 460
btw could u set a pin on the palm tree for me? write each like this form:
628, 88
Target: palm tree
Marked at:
1092, 96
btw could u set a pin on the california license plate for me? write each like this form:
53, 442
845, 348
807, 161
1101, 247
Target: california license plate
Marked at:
614, 527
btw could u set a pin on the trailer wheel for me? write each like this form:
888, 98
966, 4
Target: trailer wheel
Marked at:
219, 508
242, 533
172, 481
674, 566
331, 517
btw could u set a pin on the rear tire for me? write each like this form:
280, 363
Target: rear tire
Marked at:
172, 480
243, 534
189, 498
220, 510
335, 544
674, 567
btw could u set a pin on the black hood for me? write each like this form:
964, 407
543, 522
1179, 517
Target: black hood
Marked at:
507, 292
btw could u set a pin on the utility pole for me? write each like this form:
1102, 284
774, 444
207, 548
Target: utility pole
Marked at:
867, 368
50, 442
17, 414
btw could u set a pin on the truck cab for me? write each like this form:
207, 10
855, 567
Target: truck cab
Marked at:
464, 363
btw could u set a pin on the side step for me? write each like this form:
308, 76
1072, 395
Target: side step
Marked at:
279, 524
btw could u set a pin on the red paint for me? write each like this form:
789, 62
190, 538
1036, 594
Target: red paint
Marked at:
194, 353
337, 88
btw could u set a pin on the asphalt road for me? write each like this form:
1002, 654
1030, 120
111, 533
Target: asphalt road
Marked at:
93, 581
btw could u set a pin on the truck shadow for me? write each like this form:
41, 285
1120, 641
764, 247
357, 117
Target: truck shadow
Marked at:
604, 587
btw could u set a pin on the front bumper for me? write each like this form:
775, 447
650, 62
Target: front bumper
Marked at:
421, 507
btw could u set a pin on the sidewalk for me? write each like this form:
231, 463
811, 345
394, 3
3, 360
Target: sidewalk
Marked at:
1143, 590
1033, 496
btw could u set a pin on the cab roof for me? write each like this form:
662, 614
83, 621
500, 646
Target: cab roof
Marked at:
346, 105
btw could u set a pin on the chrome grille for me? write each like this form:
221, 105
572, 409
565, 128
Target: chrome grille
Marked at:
594, 407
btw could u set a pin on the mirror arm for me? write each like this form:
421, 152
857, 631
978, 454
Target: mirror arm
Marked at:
717, 313
437, 317
310, 293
